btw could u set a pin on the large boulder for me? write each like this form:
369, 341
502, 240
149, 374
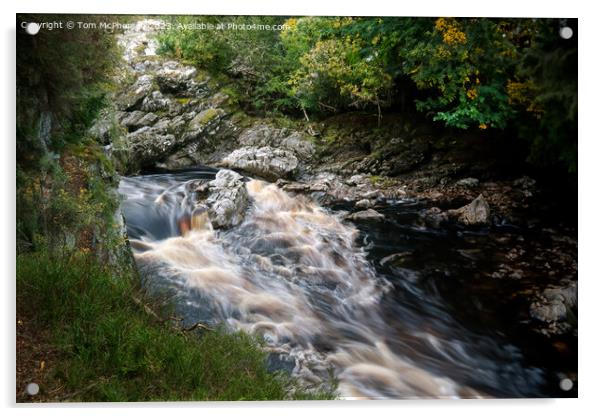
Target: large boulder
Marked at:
475, 213
262, 135
267, 162
227, 199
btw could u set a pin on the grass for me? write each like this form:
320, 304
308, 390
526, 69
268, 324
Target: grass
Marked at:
107, 348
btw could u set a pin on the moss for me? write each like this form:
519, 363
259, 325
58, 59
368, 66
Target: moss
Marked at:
206, 116
382, 181
183, 100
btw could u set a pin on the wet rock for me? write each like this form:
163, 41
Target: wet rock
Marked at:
227, 199
506, 271
364, 203
468, 182
366, 215
267, 162
295, 187
567, 295
434, 217
475, 213
396, 259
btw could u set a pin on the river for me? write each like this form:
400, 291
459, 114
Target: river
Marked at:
390, 309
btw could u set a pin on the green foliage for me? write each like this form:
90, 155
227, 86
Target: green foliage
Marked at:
467, 73
338, 72
109, 349
463, 64
249, 57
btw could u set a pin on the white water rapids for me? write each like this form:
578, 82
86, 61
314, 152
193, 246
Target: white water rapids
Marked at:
291, 272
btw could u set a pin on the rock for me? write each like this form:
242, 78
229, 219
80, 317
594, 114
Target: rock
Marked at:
366, 215
475, 213
227, 199
295, 142
147, 146
132, 97
206, 117
101, 130
175, 78
374, 194
267, 162
468, 182
552, 306
567, 295
155, 101
364, 203
319, 187
137, 119
548, 312
525, 183
296, 187
356, 180
434, 217
262, 135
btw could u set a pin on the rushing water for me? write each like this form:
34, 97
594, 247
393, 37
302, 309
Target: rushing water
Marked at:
329, 297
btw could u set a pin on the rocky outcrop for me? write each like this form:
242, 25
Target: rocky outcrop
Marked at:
226, 199
475, 213
169, 117
268, 162
161, 108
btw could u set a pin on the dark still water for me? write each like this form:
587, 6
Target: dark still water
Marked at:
391, 309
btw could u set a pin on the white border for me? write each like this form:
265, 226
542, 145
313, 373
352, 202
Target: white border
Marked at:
590, 154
